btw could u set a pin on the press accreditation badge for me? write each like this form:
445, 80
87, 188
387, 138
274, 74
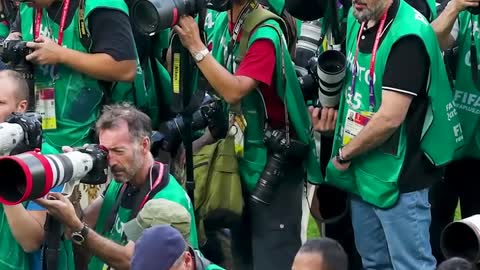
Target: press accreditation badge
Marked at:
237, 130
46, 106
354, 123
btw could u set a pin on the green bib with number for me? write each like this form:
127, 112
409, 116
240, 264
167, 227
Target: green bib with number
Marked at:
467, 94
172, 192
254, 158
374, 175
68, 101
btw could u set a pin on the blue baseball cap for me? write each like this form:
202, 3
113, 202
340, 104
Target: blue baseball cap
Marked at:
158, 248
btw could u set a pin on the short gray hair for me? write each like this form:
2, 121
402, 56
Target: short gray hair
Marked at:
139, 124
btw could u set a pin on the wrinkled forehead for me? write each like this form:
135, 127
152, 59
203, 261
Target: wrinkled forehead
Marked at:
116, 136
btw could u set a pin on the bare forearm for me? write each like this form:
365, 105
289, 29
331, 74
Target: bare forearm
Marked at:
115, 255
374, 134
26, 229
225, 83
443, 25
100, 66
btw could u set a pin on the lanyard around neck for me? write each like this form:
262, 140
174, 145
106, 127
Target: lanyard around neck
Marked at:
372, 61
251, 5
38, 21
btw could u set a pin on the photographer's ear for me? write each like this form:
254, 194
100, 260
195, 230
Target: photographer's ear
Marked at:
22, 106
146, 143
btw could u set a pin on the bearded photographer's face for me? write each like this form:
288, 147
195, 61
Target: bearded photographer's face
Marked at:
365, 10
126, 154
9, 100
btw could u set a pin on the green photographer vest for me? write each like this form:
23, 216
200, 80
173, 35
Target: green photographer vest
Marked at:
77, 97
374, 175
173, 191
467, 94
12, 256
254, 157
4, 30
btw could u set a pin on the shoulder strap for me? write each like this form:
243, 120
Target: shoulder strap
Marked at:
85, 37
253, 20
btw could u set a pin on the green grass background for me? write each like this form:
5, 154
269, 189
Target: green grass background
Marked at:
312, 230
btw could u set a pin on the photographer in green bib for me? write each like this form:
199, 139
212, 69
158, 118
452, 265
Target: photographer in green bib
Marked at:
70, 78
251, 69
396, 126
457, 25
22, 225
137, 178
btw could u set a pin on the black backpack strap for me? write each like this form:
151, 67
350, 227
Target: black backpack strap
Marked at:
252, 21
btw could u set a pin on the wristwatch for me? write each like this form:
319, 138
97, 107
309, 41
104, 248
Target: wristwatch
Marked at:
199, 56
340, 158
80, 236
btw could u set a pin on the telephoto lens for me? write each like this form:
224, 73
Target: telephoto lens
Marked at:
308, 43
462, 239
282, 153
152, 16
331, 70
31, 175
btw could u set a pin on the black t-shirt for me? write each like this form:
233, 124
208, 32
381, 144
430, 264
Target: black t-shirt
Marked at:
110, 29
407, 72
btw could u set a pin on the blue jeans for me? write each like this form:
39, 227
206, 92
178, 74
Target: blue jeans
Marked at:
397, 238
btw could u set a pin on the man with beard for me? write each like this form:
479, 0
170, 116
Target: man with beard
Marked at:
125, 132
386, 154
263, 93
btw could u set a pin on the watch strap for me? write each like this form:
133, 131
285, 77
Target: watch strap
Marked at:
199, 56
340, 158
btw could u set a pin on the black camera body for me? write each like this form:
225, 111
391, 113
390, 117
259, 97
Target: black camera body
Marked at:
20, 133
210, 114
99, 172
13, 53
282, 153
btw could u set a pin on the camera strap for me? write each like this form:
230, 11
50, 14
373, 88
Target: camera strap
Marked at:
371, 74
473, 55
149, 189
38, 22
85, 38
251, 5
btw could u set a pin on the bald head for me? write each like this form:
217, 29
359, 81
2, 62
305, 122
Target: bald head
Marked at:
13, 93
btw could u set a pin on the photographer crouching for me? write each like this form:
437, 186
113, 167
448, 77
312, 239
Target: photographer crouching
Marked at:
125, 132
272, 134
